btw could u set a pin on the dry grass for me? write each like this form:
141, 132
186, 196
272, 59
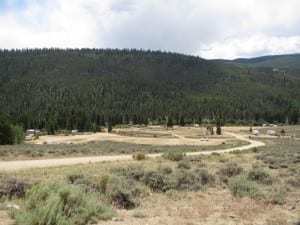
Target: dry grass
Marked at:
214, 205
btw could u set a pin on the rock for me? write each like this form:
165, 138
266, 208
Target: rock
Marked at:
10, 206
292, 207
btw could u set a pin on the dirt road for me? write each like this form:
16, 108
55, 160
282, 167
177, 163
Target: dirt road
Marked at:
18, 165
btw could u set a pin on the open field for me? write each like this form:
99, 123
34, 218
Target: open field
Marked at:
123, 141
23, 164
150, 136
177, 196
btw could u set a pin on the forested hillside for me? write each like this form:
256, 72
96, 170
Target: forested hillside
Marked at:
83, 89
284, 64
275, 61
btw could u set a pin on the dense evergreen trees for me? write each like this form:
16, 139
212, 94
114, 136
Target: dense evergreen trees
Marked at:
10, 134
89, 88
218, 124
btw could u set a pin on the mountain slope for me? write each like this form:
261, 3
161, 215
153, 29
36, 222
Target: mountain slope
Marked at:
55, 89
276, 61
287, 64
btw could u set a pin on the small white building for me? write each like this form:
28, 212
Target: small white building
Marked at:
255, 132
30, 131
73, 132
271, 132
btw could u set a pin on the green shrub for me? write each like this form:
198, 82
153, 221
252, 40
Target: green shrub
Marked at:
155, 180
195, 158
122, 194
135, 172
224, 179
139, 156
174, 155
241, 186
295, 182
230, 170
223, 160
170, 183
88, 184
72, 177
187, 180
165, 169
103, 183
204, 176
12, 187
260, 175
6, 132
184, 164
173, 194
277, 195
139, 214
61, 204
18, 133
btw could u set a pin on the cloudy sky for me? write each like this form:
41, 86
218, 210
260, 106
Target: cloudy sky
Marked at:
207, 28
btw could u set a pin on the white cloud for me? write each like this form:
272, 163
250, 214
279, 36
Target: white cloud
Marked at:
254, 45
209, 28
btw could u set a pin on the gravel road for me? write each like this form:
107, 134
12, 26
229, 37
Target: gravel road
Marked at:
25, 164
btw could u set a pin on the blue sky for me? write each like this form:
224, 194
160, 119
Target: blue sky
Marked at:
207, 28
7, 5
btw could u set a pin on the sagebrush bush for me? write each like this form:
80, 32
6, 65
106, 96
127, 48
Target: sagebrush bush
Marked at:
276, 195
13, 187
180, 179
135, 172
184, 164
295, 182
61, 204
174, 155
241, 186
123, 194
204, 176
195, 158
230, 170
103, 181
88, 184
170, 183
188, 180
165, 169
139, 156
74, 176
155, 180
260, 175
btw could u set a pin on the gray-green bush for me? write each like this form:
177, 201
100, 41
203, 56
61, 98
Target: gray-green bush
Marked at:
139, 156
123, 194
277, 194
230, 170
204, 176
61, 204
155, 180
165, 169
184, 164
241, 186
13, 187
174, 155
260, 175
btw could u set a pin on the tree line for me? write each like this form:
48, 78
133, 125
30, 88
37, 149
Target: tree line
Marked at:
87, 89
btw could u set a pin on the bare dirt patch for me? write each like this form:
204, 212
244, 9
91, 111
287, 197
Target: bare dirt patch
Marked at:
148, 136
214, 207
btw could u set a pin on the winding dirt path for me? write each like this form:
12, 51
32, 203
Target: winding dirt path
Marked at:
25, 164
